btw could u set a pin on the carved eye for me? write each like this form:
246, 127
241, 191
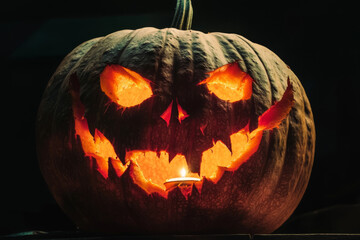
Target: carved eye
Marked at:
124, 87
229, 83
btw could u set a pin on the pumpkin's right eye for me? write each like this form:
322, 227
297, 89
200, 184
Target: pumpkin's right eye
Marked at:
229, 83
124, 87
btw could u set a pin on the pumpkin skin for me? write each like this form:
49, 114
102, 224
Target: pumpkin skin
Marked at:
256, 198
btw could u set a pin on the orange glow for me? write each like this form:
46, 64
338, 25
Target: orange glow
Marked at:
244, 143
277, 112
167, 114
218, 159
156, 168
229, 83
183, 172
182, 113
98, 146
150, 169
123, 86
147, 185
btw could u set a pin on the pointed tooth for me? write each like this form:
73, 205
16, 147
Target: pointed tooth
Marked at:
111, 171
247, 127
226, 140
193, 160
187, 158
121, 155
92, 128
172, 154
98, 170
158, 152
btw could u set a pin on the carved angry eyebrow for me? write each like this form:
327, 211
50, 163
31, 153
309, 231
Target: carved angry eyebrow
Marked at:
124, 87
229, 83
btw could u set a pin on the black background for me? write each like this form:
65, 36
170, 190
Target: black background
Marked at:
319, 40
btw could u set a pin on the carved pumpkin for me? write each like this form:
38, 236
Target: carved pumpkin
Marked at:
125, 113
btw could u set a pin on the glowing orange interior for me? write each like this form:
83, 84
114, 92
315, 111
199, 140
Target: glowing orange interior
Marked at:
98, 146
150, 169
123, 86
157, 168
229, 83
182, 113
219, 158
166, 116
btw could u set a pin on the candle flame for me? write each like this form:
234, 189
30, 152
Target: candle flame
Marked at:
183, 172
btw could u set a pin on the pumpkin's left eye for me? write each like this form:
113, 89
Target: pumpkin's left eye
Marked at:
124, 87
229, 83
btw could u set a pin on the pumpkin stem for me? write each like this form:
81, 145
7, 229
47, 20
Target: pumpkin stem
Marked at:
183, 15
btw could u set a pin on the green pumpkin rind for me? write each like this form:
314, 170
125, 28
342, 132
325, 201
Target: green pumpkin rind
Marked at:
257, 198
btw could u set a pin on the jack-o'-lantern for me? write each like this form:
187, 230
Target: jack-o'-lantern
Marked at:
175, 131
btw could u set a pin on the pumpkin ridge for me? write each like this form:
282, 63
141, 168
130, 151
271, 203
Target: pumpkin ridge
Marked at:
183, 45
161, 53
217, 50
64, 81
310, 137
298, 185
269, 136
171, 49
242, 59
262, 62
292, 118
212, 45
277, 186
191, 44
134, 33
227, 46
238, 43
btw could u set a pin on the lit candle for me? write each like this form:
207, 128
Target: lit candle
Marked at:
180, 181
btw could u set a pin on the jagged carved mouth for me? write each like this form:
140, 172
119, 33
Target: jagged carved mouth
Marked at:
150, 169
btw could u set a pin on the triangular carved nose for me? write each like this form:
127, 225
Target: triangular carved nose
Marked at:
181, 113
167, 114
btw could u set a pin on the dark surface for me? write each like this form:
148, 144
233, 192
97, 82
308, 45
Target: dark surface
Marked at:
317, 39
81, 236
84, 236
307, 237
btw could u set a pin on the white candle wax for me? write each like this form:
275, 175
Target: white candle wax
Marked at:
180, 181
